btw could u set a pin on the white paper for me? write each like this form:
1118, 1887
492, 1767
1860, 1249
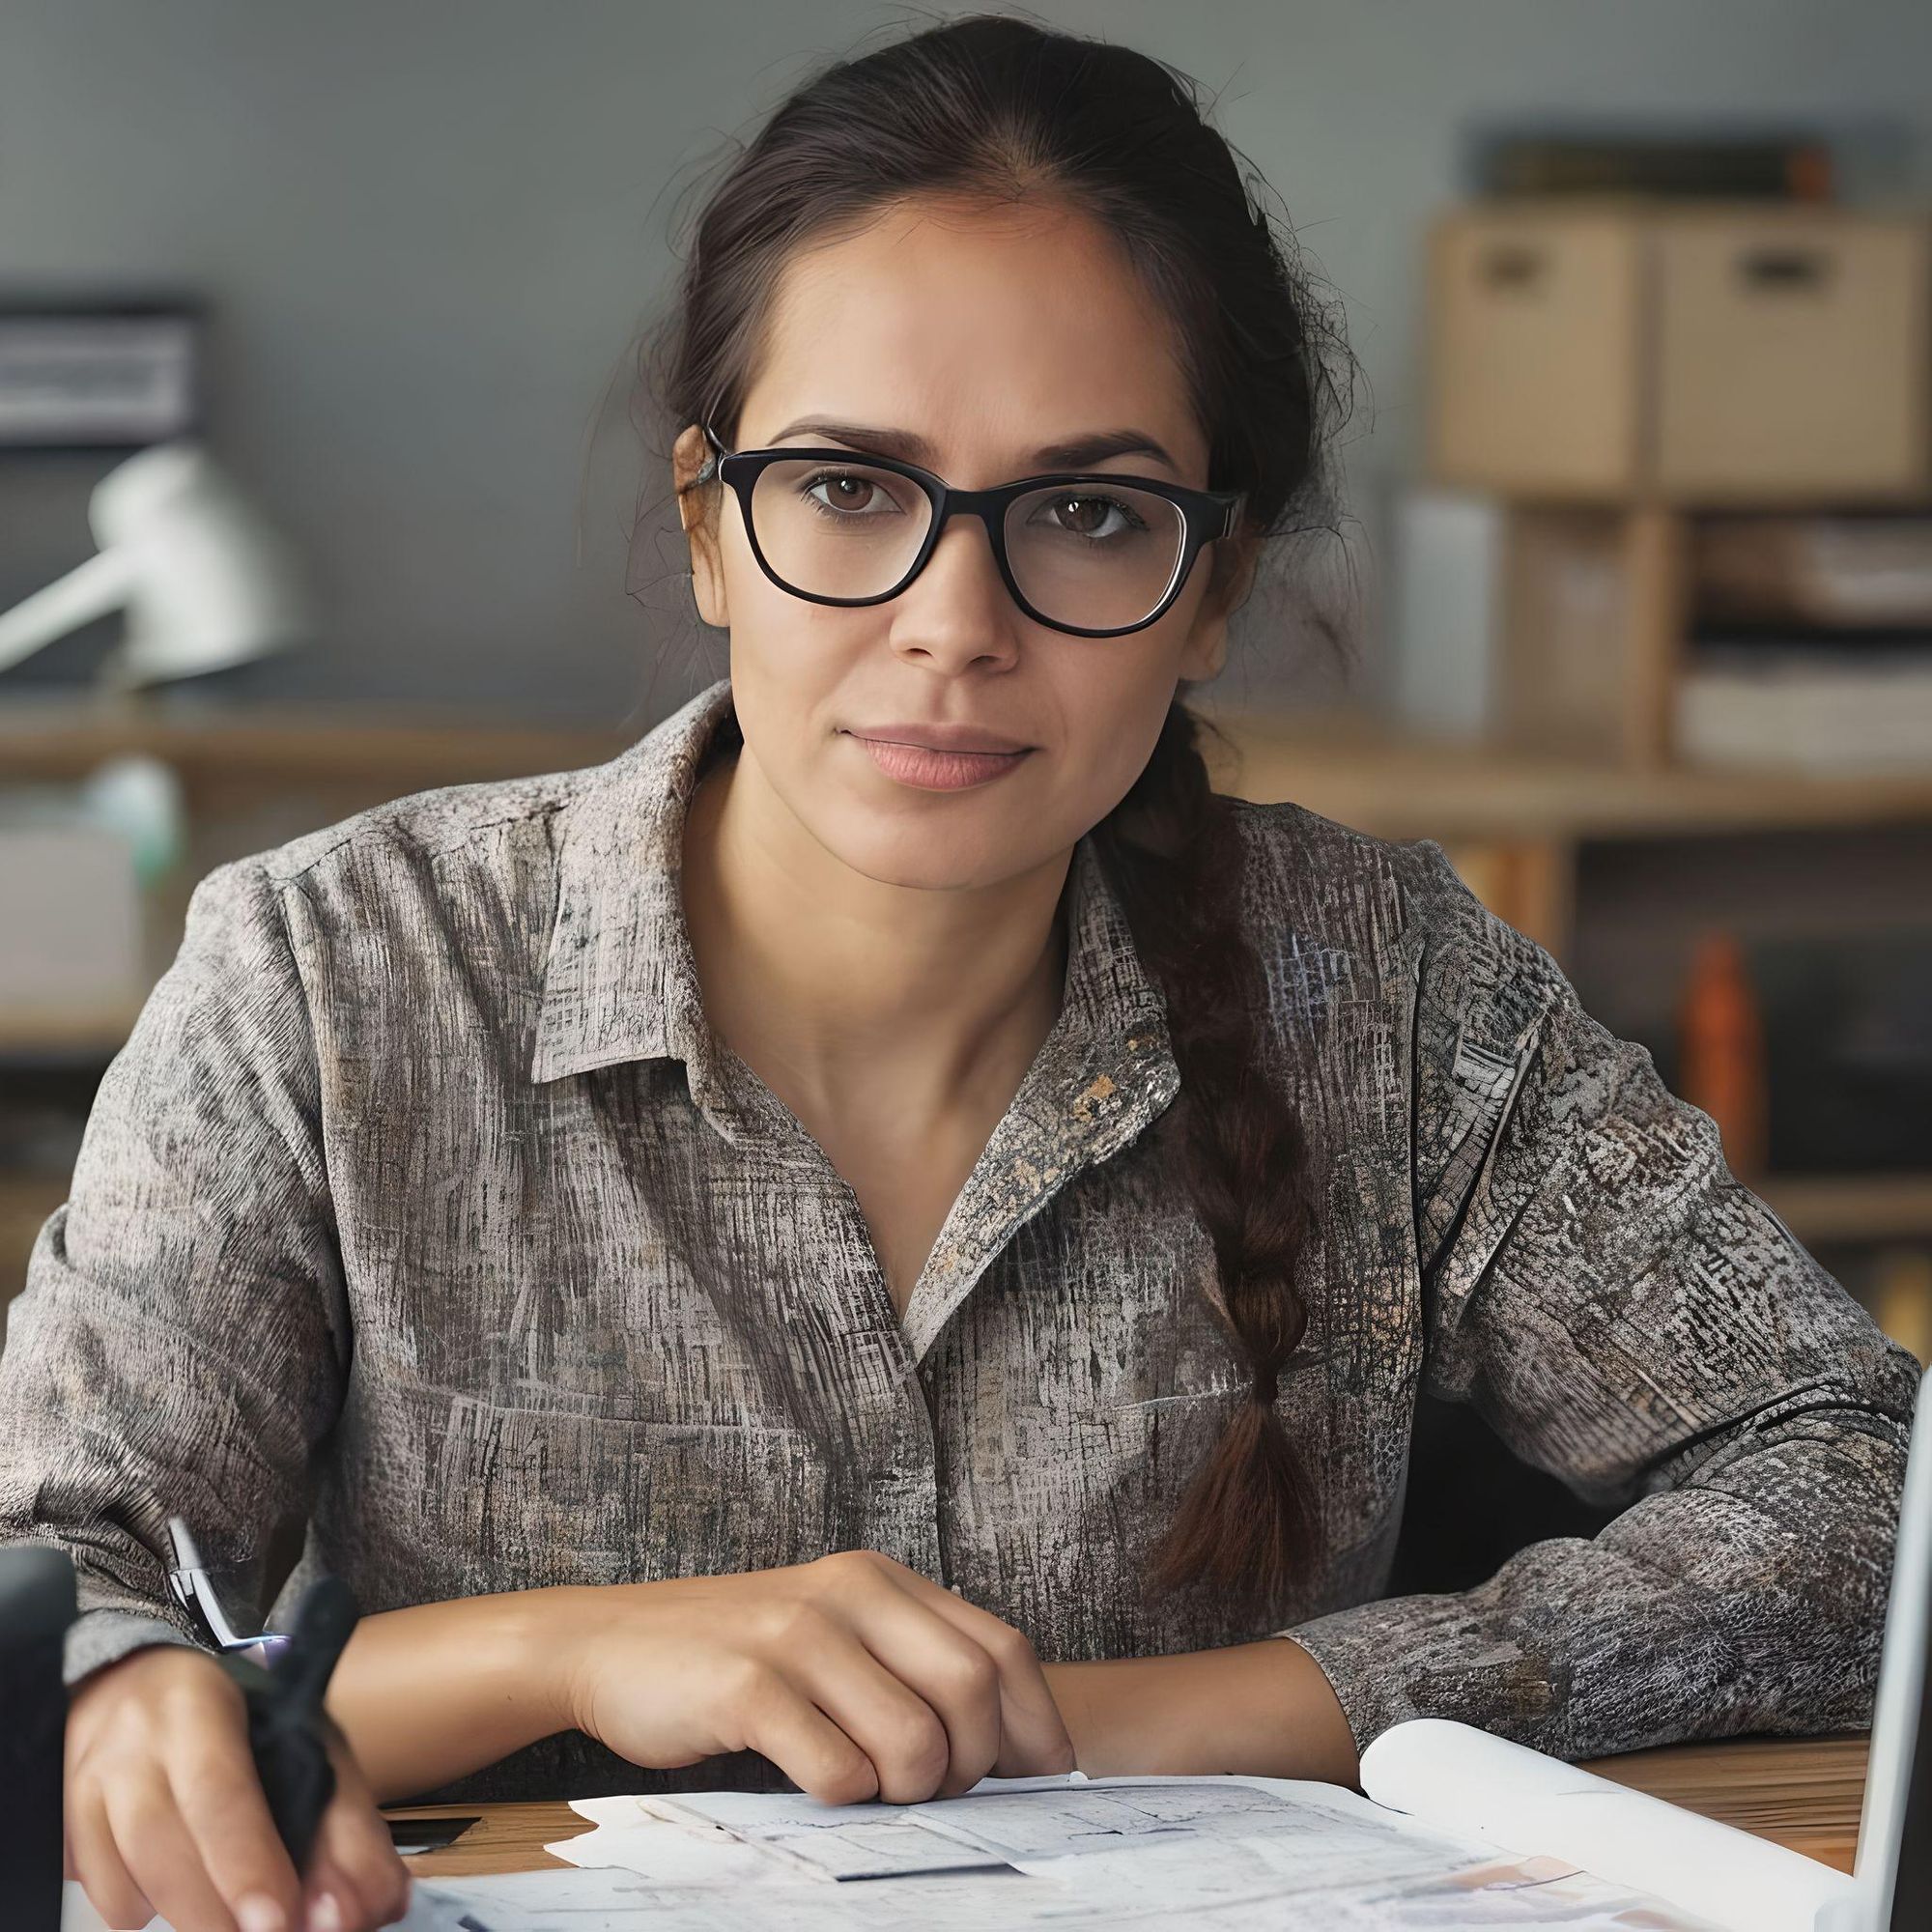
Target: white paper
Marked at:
1220, 1854
629, 1837
614, 1901
837, 1841
1313, 1833
1509, 1898
1460, 1779
428, 1911
1330, 1834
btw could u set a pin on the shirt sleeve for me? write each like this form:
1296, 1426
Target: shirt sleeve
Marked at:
181, 1343
1630, 1318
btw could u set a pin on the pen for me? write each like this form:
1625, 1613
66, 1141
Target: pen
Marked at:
194, 1590
288, 1729
284, 1677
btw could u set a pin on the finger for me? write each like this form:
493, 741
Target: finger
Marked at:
218, 1793
903, 1735
783, 1723
355, 1854
331, 1902
951, 1673
355, 1905
1033, 1739
161, 1855
98, 1865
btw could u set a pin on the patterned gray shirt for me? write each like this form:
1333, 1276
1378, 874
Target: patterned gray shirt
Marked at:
423, 1204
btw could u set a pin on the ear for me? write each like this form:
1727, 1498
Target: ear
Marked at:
696, 507
1206, 647
1206, 652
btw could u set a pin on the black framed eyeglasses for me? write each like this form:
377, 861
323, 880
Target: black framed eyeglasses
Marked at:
1094, 555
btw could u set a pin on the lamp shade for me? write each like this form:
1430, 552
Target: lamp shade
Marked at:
206, 579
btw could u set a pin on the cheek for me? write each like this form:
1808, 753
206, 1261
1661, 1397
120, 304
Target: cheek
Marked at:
757, 604
1113, 710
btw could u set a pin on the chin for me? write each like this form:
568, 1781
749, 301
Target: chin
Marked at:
924, 857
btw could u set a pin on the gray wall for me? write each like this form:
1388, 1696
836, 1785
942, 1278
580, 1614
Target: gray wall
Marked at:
429, 230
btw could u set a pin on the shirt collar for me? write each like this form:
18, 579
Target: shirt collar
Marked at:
620, 980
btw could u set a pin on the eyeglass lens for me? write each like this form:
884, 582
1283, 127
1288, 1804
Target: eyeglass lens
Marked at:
1094, 555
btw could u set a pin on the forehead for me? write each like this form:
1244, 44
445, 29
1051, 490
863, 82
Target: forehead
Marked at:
979, 327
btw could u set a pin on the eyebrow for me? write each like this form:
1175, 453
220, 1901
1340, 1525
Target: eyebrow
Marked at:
1076, 453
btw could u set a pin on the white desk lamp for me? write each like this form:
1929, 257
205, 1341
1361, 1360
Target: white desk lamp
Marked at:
206, 580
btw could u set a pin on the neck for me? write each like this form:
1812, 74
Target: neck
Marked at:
837, 986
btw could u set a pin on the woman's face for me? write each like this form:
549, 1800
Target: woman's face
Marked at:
990, 335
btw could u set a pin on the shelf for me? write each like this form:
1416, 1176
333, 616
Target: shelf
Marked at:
86, 1033
1395, 785
27, 1197
1826, 1207
47, 739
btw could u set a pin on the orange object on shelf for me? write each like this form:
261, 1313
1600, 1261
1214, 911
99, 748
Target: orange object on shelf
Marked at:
1721, 1051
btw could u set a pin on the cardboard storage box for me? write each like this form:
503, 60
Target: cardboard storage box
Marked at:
1701, 354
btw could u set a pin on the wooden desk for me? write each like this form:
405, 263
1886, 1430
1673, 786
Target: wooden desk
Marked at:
1801, 1792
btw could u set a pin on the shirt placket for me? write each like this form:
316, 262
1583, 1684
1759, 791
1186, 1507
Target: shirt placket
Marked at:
1102, 1077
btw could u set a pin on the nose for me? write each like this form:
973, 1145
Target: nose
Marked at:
957, 611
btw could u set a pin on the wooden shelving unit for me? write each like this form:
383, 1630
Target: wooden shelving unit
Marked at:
1609, 372
1512, 817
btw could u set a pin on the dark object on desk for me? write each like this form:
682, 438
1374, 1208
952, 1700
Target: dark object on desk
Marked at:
37, 1605
288, 1731
411, 1836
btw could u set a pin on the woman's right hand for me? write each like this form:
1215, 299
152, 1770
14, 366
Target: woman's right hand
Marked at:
165, 1813
856, 1676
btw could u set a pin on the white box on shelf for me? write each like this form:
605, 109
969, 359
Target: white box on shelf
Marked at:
1818, 714
72, 957
1448, 606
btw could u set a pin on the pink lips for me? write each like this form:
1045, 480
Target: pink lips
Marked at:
938, 771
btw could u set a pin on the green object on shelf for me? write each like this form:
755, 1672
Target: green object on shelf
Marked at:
137, 796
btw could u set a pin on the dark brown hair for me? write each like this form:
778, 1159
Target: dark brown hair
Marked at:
999, 108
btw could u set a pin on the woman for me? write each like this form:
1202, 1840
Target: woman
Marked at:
889, 1228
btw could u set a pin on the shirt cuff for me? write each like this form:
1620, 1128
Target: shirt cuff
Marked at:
1430, 1656
98, 1638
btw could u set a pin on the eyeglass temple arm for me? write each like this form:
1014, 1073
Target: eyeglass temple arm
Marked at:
709, 467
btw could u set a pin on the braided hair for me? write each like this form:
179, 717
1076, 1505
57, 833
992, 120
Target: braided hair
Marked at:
1174, 855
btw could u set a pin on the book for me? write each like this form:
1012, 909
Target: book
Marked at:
1816, 710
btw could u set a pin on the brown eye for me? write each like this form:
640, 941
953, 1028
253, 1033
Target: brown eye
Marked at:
1092, 517
844, 493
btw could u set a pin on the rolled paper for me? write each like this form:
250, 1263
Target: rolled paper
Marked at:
1458, 1778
